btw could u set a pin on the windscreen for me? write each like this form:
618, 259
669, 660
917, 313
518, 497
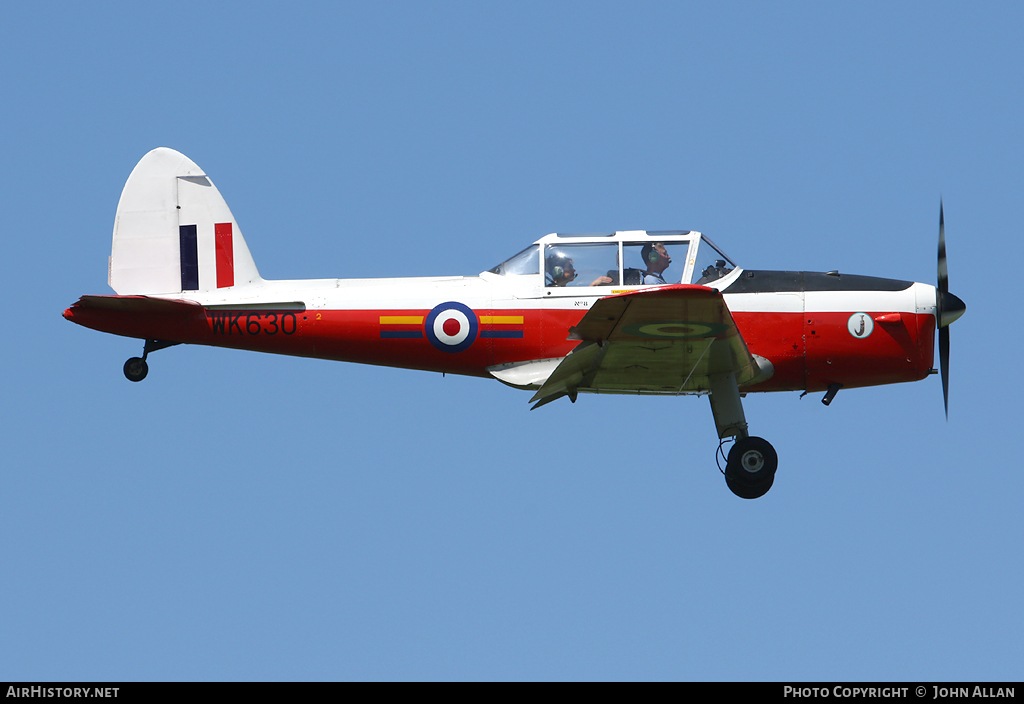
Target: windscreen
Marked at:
712, 264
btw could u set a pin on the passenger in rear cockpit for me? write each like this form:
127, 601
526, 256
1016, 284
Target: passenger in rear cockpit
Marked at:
558, 270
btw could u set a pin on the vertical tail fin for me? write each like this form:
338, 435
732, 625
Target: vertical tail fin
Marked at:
174, 233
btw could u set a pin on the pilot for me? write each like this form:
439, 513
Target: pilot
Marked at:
559, 271
656, 259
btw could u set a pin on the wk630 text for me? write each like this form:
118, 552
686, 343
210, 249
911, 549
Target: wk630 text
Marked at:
253, 323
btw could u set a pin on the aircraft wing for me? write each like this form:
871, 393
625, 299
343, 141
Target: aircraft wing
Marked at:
665, 340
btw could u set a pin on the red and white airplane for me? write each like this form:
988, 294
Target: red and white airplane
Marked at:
633, 312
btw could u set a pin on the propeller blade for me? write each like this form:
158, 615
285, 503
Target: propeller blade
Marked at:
947, 309
943, 271
944, 366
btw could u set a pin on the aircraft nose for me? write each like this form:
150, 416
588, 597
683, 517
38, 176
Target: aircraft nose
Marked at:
950, 307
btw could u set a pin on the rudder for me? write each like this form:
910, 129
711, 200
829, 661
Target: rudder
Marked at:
174, 233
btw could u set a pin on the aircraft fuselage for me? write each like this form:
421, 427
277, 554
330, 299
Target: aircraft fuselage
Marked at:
816, 329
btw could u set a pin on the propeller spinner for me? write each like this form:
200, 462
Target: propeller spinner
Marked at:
947, 309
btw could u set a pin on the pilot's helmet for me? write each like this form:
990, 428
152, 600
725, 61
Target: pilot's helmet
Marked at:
557, 264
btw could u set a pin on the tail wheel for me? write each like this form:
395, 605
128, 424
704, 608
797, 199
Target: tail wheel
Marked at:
136, 369
750, 469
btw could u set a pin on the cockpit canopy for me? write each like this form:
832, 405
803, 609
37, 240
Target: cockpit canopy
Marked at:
629, 258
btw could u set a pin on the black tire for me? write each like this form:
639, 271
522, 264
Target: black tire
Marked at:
749, 491
136, 369
752, 461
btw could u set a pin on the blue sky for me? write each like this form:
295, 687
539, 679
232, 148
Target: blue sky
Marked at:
239, 516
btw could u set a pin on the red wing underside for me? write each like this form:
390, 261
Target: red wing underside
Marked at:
667, 340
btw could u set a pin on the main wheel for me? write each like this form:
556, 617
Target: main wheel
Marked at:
750, 469
136, 369
749, 491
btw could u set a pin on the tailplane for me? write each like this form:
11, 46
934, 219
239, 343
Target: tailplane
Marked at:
174, 233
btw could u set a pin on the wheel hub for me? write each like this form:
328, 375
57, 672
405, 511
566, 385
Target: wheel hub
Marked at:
752, 461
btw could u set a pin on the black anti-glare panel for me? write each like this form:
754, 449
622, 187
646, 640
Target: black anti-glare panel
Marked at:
189, 257
757, 281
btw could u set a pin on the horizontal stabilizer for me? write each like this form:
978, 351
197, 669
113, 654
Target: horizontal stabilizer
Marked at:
137, 304
140, 317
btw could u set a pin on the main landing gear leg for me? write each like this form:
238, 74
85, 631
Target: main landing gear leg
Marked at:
750, 468
136, 368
